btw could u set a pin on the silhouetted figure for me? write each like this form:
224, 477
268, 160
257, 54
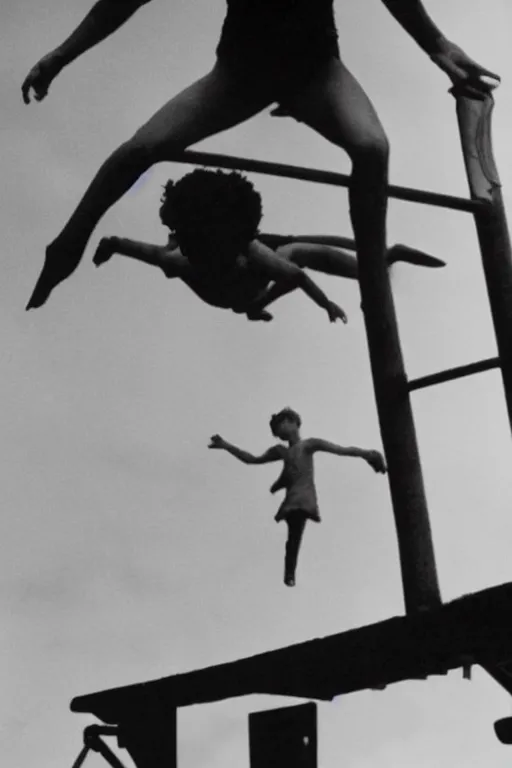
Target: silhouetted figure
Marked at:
297, 477
214, 248
270, 51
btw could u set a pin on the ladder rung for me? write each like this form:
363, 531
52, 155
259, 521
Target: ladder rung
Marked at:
453, 373
250, 165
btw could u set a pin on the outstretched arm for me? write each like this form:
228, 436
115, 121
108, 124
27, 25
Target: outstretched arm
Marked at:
273, 454
461, 70
374, 458
102, 20
290, 277
304, 253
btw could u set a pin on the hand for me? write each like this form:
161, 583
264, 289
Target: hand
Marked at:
463, 71
336, 313
40, 77
216, 441
260, 314
376, 461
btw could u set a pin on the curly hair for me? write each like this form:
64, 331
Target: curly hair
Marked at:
214, 204
286, 413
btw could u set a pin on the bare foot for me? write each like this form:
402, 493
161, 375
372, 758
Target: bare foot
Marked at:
412, 256
103, 252
260, 314
58, 266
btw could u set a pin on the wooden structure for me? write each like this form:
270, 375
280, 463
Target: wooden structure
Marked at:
432, 638
475, 629
286, 736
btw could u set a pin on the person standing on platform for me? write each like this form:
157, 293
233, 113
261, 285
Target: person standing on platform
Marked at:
297, 478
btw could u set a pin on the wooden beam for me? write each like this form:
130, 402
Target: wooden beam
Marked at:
318, 176
472, 628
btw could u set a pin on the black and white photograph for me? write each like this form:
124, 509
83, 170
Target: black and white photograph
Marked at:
256, 390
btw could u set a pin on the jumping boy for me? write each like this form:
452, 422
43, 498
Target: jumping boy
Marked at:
215, 249
270, 51
297, 476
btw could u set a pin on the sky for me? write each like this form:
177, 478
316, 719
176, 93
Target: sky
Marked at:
128, 550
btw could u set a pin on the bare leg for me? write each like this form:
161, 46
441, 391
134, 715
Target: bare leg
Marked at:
334, 104
276, 241
212, 104
336, 261
296, 527
322, 258
412, 256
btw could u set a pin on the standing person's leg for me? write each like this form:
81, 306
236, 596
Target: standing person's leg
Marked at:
333, 103
296, 524
212, 104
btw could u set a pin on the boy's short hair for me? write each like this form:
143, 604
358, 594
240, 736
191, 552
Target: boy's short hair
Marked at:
286, 413
212, 201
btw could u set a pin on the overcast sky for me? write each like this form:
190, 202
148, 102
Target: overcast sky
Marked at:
129, 551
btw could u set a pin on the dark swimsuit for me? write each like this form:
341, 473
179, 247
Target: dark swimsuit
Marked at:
298, 479
264, 37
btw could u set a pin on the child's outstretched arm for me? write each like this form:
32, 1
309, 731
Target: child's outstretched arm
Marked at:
374, 458
102, 20
460, 68
305, 254
291, 276
318, 256
272, 454
173, 264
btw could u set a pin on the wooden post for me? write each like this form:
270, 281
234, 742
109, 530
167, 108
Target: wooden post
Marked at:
474, 119
454, 373
416, 550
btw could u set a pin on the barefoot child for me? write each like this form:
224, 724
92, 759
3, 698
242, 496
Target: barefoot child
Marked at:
214, 247
297, 477
270, 51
